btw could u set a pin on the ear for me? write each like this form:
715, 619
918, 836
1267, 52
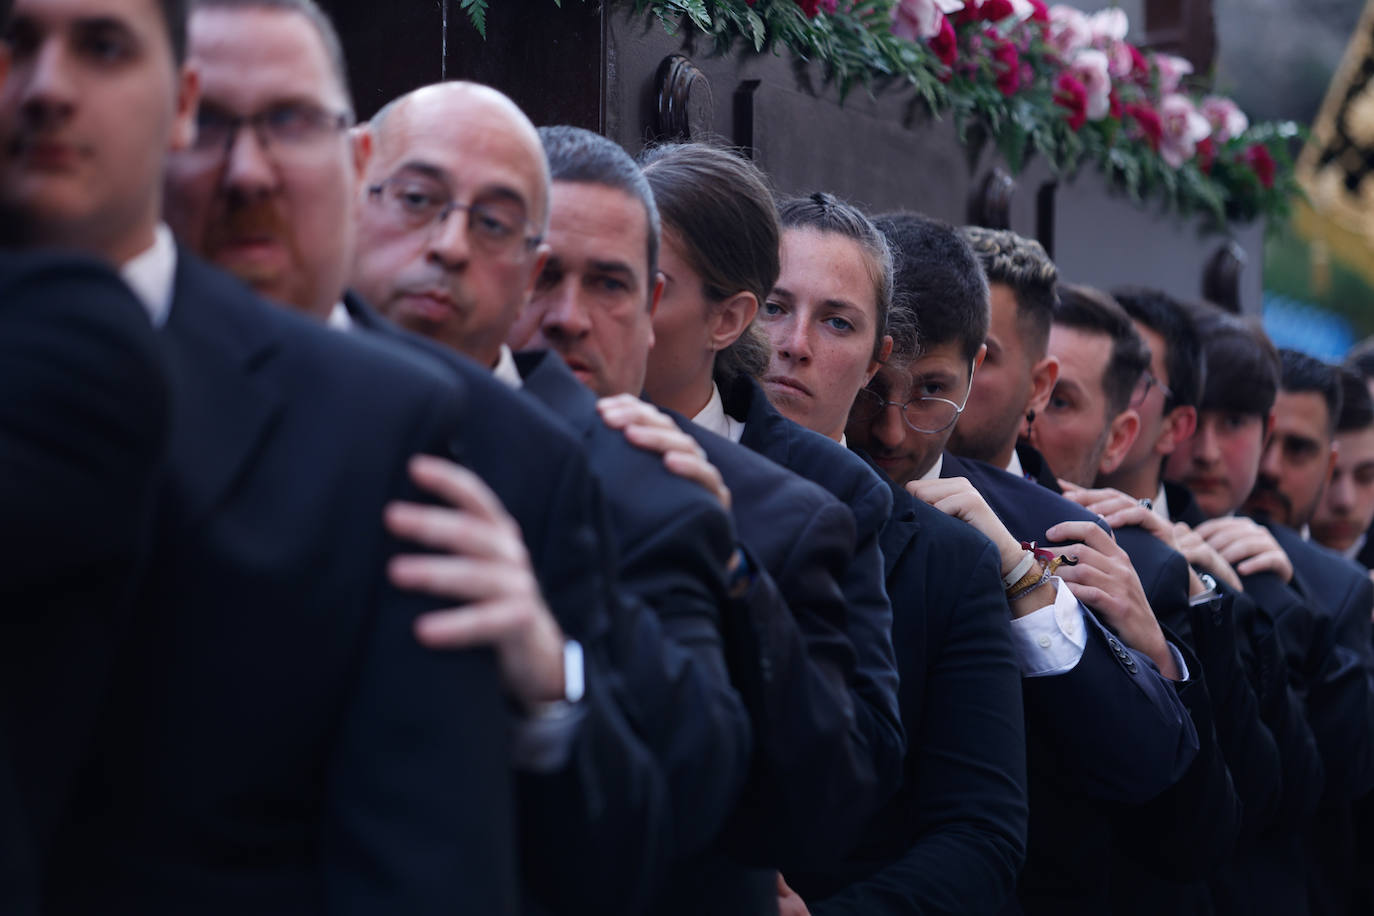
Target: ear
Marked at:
727, 322
978, 357
883, 353
1179, 425
541, 258
1269, 425
361, 139
188, 99
1043, 376
1120, 437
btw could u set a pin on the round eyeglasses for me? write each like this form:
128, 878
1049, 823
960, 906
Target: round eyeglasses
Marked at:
924, 414
498, 227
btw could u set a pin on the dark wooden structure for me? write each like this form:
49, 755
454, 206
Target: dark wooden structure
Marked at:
601, 68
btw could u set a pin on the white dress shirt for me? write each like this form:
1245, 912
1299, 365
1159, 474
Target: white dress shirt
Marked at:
935, 469
1014, 465
1353, 551
1161, 504
506, 370
151, 273
339, 319
714, 418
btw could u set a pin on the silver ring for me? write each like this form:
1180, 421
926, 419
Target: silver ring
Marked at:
1148, 503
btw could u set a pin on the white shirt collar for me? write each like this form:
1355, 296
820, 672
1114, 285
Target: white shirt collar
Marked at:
1014, 466
506, 370
1306, 532
936, 468
151, 272
1353, 551
1161, 504
714, 418
339, 319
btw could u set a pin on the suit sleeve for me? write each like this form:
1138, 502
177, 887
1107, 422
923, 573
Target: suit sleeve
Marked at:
814, 783
419, 815
966, 770
667, 649
595, 833
1124, 732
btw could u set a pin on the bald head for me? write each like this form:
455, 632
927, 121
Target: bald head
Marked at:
481, 118
456, 201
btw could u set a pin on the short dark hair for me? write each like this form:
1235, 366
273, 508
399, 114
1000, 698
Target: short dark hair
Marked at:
1307, 374
1168, 318
1021, 264
1357, 407
579, 156
827, 213
317, 17
1093, 311
939, 280
1361, 357
1242, 365
718, 206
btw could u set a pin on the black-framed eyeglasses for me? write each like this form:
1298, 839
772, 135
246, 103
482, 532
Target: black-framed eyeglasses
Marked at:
1148, 381
497, 227
290, 126
924, 414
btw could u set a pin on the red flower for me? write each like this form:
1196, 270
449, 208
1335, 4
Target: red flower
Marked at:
1140, 67
1040, 12
1147, 119
1008, 63
1070, 93
1206, 155
810, 7
1259, 159
996, 10
946, 44
1114, 101
830, 5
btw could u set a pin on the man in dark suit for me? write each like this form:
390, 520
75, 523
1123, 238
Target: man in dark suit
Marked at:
1070, 789
592, 306
1346, 509
82, 436
275, 740
591, 797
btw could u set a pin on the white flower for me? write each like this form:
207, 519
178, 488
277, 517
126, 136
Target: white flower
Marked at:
1183, 126
1022, 10
916, 19
1225, 116
1172, 70
1090, 66
1109, 25
1069, 30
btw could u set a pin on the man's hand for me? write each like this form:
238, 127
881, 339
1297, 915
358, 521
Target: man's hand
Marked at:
1105, 579
1201, 555
649, 428
789, 904
1119, 510
956, 497
484, 564
1246, 545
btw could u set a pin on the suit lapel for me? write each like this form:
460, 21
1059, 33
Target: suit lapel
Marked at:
766, 430
221, 351
550, 382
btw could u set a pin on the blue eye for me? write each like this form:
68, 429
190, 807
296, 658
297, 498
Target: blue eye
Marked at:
839, 324
772, 308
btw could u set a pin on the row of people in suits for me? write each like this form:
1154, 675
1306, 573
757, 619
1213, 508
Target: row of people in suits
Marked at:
773, 647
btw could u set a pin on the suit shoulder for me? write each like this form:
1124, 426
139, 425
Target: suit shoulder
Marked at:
846, 475
760, 475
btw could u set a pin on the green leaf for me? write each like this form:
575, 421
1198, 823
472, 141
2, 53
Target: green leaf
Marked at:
477, 14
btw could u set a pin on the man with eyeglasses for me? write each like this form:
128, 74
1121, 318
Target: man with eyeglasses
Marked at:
273, 739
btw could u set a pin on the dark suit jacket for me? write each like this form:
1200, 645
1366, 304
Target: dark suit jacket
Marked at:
276, 740
953, 839
595, 833
673, 542
83, 429
869, 622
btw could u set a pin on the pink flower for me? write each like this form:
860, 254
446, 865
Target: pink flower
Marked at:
916, 19
1183, 127
1140, 67
1172, 70
1147, 123
1225, 116
1039, 12
1069, 30
1120, 63
1206, 155
1008, 62
1259, 159
1091, 68
945, 44
1073, 98
985, 11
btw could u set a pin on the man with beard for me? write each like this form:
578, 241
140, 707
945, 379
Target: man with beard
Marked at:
274, 740
1346, 510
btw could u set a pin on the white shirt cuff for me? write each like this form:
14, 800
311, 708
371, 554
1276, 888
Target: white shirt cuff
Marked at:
1051, 640
1178, 660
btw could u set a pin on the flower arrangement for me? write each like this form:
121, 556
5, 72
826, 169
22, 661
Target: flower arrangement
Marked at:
1038, 80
